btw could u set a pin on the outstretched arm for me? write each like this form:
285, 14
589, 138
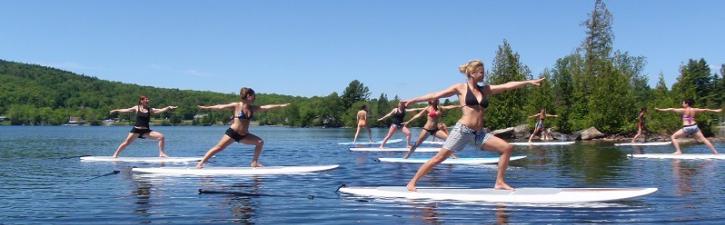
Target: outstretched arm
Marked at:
707, 110
453, 89
164, 109
417, 115
551, 115
387, 115
495, 89
414, 109
271, 106
132, 109
535, 115
219, 107
679, 110
450, 107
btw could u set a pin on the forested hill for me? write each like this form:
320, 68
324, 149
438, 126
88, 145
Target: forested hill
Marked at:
34, 94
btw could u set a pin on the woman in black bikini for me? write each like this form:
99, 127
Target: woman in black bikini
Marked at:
239, 130
141, 128
398, 115
431, 126
469, 128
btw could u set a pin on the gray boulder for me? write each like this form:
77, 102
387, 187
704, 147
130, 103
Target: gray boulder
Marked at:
589, 134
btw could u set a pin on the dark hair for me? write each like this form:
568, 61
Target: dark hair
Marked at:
363, 107
689, 102
141, 98
643, 109
244, 92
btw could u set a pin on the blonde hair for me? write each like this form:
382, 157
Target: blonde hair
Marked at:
470, 67
244, 92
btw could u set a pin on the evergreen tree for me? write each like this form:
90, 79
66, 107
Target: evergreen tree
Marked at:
541, 97
356, 91
382, 107
659, 122
612, 102
632, 68
507, 109
721, 89
562, 89
696, 82
598, 43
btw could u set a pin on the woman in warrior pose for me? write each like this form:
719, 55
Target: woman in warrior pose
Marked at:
398, 115
539, 128
434, 112
244, 111
142, 129
469, 129
689, 127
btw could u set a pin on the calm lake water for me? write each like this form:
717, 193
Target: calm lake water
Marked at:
42, 181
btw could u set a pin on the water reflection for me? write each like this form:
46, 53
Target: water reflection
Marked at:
142, 192
243, 208
429, 213
502, 217
684, 173
594, 164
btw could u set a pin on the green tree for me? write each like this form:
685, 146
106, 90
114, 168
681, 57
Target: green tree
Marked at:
659, 122
612, 102
507, 109
698, 83
563, 88
356, 91
541, 97
382, 107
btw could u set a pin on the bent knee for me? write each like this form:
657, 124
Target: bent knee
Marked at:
508, 148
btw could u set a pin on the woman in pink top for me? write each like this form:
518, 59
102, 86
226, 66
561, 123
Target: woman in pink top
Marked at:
431, 125
689, 127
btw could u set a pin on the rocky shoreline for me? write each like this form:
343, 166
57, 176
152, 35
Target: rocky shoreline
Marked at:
522, 132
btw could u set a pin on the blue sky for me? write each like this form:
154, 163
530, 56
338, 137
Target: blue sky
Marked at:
312, 48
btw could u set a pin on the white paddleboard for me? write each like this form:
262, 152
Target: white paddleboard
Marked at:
541, 143
371, 143
644, 144
467, 161
209, 171
141, 159
434, 142
519, 195
376, 149
681, 156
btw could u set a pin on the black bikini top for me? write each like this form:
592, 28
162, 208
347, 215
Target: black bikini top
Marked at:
471, 99
243, 116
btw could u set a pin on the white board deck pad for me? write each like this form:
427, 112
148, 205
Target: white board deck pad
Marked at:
210, 171
681, 156
371, 143
541, 143
464, 161
140, 159
376, 149
519, 195
644, 144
